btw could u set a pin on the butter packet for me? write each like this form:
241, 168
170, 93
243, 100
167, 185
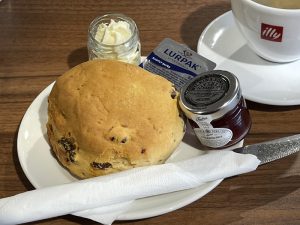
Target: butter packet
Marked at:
176, 62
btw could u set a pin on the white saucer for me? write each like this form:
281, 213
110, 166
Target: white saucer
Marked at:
261, 81
42, 169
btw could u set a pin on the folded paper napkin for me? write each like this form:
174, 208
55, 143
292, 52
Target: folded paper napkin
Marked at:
104, 198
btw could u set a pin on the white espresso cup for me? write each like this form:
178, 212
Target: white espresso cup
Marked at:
272, 33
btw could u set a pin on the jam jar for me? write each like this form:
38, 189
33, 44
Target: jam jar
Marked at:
216, 109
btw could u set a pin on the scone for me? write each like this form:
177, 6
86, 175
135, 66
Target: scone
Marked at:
106, 116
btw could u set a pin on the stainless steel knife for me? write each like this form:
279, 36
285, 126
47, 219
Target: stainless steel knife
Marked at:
272, 150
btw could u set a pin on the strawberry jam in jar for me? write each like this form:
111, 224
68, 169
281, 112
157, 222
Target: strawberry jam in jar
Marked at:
216, 109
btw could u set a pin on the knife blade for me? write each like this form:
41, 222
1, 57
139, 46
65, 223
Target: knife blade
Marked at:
272, 150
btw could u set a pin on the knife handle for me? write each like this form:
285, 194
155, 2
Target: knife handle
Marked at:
272, 150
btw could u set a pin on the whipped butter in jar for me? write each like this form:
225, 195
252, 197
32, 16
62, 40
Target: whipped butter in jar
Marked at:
216, 109
114, 36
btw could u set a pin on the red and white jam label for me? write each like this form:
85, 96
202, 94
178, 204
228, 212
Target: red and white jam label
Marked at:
210, 136
215, 137
271, 32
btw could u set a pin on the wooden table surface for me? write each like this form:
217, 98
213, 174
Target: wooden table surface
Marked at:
39, 40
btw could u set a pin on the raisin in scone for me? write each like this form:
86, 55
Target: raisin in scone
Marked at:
106, 116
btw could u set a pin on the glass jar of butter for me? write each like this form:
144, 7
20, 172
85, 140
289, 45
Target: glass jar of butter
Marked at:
114, 36
216, 108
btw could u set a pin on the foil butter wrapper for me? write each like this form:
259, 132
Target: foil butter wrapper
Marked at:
176, 62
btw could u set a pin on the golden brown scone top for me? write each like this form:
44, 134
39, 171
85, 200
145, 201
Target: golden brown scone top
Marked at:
106, 116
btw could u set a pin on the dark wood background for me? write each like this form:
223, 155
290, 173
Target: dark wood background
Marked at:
39, 40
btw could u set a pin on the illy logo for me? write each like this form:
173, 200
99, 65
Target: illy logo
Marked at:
271, 32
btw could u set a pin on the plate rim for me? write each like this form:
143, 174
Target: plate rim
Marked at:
227, 16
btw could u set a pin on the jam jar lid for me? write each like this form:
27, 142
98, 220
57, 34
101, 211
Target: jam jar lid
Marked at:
214, 92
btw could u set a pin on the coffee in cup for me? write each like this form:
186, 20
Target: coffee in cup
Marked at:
271, 27
281, 4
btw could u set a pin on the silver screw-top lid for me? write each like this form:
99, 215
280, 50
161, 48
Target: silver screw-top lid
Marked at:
215, 93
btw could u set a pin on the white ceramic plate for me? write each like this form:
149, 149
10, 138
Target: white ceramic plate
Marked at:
261, 81
42, 169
